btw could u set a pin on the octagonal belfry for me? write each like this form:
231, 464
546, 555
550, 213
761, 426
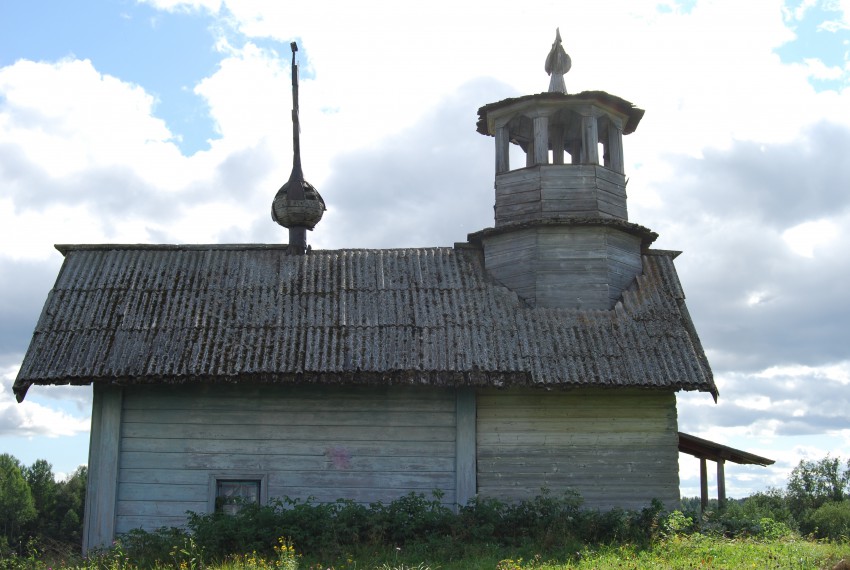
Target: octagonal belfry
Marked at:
573, 147
562, 236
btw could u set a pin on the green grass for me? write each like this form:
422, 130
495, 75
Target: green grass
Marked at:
695, 551
683, 551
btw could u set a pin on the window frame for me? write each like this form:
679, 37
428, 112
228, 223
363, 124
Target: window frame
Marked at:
261, 478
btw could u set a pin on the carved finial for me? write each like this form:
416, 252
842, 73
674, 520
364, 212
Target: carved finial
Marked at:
297, 205
558, 63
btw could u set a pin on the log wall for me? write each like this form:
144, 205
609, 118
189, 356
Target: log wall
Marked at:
616, 448
365, 444
555, 191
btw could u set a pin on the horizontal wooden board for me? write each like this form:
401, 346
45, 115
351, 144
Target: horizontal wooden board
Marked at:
164, 492
340, 418
149, 508
325, 433
604, 445
252, 462
624, 399
363, 496
578, 462
511, 196
589, 408
281, 447
126, 523
287, 398
358, 480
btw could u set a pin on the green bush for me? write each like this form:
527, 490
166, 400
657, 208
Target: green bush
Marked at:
545, 523
832, 520
774, 530
678, 523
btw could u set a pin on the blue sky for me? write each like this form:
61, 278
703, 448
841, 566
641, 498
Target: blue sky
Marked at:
166, 121
167, 54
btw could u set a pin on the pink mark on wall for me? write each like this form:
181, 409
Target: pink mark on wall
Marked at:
340, 457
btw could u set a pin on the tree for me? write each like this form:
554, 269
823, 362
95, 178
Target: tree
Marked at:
16, 504
814, 483
70, 505
43, 487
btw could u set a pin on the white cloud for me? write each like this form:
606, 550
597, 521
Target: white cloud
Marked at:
804, 238
69, 117
838, 372
30, 419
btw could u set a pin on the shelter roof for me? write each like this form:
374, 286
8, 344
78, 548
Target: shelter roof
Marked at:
130, 314
705, 449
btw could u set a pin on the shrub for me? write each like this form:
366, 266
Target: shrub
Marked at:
545, 523
678, 523
832, 520
146, 549
774, 530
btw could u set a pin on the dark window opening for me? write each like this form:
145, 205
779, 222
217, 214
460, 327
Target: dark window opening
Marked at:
232, 494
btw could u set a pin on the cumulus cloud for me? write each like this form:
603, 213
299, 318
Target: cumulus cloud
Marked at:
430, 184
30, 418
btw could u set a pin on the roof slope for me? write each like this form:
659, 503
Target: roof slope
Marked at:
139, 314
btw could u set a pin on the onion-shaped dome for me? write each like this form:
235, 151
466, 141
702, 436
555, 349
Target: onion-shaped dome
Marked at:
304, 211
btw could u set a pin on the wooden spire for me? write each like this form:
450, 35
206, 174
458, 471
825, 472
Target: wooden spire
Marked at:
558, 63
297, 206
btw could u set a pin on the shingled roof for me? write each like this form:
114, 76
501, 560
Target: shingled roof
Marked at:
131, 314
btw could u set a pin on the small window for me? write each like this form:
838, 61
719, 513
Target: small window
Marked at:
232, 494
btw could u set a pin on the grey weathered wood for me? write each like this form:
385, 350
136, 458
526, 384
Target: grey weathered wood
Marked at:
605, 445
703, 485
555, 191
155, 506
301, 463
565, 266
503, 160
294, 446
465, 448
615, 148
362, 495
101, 487
305, 398
541, 140
721, 484
590, 140
556, 140
215, 431
167, 492
361, 443
127, 523
241, 417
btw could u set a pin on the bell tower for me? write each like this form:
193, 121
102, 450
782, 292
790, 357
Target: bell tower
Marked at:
561, 236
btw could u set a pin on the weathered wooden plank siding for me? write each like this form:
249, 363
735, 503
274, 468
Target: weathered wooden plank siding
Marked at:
100, 513
551, 191
361, 443
585, 267
615, 448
